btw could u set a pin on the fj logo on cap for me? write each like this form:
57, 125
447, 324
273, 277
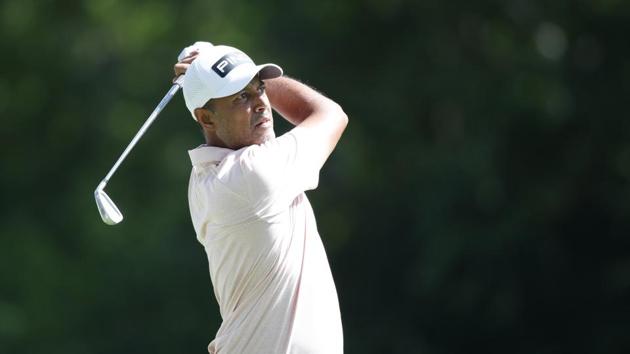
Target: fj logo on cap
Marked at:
227, 62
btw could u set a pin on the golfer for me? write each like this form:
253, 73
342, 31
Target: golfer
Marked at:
267, 263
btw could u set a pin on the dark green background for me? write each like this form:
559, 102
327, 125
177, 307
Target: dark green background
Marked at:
479, 201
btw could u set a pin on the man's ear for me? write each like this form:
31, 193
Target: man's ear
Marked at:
205, 117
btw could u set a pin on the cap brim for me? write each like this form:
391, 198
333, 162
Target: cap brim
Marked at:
243, 74
269, 71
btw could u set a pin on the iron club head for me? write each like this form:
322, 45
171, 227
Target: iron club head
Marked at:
109, 212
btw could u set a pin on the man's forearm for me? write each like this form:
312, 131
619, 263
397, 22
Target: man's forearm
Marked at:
294, 100
318, 118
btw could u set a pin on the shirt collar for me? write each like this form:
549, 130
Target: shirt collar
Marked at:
205, 153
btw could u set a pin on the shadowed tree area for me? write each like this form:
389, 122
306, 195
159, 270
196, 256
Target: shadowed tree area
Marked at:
479, 201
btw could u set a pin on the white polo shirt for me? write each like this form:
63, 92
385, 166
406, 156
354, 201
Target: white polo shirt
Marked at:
267, 263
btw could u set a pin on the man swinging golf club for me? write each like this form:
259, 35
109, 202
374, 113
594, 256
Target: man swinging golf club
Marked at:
267, 263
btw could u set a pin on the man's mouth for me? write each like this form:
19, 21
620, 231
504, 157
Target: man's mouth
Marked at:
263, 122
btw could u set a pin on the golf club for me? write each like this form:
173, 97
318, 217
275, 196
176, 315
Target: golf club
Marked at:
110, 214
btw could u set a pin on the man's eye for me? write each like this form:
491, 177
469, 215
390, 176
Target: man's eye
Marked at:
261, 89
243, 96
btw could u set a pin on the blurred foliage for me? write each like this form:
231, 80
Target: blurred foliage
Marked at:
479, 201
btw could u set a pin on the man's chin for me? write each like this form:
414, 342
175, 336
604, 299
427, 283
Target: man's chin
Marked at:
266, 137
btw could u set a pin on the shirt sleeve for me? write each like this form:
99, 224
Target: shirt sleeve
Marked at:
279, 170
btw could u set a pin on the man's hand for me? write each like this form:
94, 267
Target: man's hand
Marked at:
180, 67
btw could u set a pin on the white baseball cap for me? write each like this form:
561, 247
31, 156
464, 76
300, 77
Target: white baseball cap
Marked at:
221, 71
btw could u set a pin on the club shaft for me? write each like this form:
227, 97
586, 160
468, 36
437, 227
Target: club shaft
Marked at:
171, 92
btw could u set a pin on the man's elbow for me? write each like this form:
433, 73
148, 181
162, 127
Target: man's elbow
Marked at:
344, 117
339, 113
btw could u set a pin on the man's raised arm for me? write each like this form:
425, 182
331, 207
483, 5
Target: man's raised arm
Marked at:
318, 118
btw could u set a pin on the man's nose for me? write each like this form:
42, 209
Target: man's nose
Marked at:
259, 105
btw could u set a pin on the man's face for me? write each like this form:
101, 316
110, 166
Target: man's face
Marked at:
244, 118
